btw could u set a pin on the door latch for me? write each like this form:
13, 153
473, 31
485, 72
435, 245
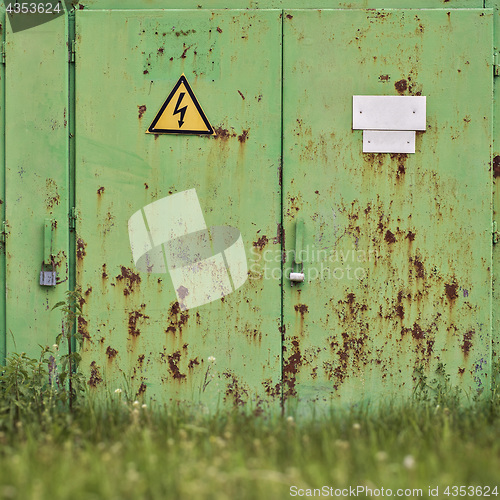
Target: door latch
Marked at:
298, 277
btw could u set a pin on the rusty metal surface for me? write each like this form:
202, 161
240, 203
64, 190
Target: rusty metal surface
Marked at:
398, 275
36, 179
133, 324
279, 4
495, 169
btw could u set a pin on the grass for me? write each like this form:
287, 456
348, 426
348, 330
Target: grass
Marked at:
125, 451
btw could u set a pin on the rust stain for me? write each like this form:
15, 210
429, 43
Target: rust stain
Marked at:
142, 109
301, 308
467, 342
95, 376
219, 30
235, 390
419, 267
111, 353
142, 389
273, 391
82, 327
410, 236
401, 86
389, 237
416, 332
173, 361
100, 190
177, 318
80, 249
496, 166
279, 235
400, 311
133, 317
242, 96
53, 197
140, 360
289, 16
244, 136
130, 278
192, 363
291, 368
104, 273
384, 78
183, 55
261, 242
223, 133
451, 291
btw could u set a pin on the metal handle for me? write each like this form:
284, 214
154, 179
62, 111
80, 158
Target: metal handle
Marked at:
298, 277
47, 242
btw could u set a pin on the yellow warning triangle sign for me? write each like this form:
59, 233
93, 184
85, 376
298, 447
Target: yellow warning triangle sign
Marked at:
181, 113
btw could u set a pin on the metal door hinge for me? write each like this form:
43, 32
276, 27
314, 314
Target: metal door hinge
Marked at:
2, 53
4, 232
496, 234
72, 51
72, 219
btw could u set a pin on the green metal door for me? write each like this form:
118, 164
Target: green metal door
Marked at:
36, 182
127, 63
396, 247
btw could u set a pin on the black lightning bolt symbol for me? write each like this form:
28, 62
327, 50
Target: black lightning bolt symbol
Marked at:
182, 111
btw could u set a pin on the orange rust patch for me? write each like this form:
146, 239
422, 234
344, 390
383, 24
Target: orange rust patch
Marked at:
173, 361
496, 166
291, 368
419, 267
142, 389
95, 376
401, 86
223, 134
389, 237
301, 308
261, 242
80, 249
142, 109
192, 363
451, 291
244, 136
129, 278
235, 390
82, 327
132, 322
177, 318
467, 342
111, 353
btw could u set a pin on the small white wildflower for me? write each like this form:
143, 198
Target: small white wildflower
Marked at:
144, 406
409, 462
289, 419
136, 404
211, 359
356, 426
118, 391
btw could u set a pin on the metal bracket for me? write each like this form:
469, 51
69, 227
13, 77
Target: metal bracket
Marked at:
72, 219
72, 53
4, 232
